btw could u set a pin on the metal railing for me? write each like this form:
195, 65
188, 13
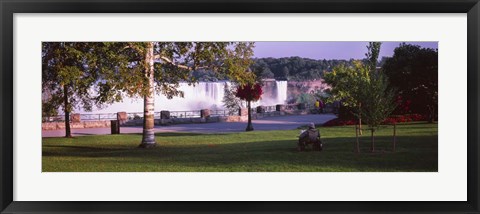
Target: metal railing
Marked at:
218, 113
135, 115
270, 108
291, 107
105, 116
83, 117
173, 114
58, 118
184, 114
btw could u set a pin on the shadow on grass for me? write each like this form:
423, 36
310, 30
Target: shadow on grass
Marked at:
419, 153
77, 151
176, 134
83, 134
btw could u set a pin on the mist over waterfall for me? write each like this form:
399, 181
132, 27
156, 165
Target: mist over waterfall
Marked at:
281, 91
203, 95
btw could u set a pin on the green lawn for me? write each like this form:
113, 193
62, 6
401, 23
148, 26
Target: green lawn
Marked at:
257, 151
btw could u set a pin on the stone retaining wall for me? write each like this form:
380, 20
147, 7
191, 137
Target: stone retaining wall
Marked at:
170, 121
77, 125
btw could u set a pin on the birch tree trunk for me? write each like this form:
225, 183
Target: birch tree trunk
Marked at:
67, 111
148, 139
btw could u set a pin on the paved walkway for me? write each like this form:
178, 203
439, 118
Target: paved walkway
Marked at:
267, 123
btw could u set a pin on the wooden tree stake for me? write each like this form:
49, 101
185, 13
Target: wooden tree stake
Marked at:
356, 147
373, 141
394, 136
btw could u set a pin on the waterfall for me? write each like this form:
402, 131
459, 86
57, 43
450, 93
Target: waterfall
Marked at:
281, 91
199, 96
274, 92
203, 95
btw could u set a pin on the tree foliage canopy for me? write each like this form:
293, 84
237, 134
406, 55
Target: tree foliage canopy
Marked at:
230, 101
347, 83
377, 100
363, 88
413, 71
249, 92
66, 70
174, 63
288, 68
372, 54
297, 68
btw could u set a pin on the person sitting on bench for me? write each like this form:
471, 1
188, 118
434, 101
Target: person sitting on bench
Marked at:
310, 136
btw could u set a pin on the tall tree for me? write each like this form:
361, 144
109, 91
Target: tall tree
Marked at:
377, 102
144, 68
373, 51
66, 78
347, 84
231, 102
414, 72
250, 93
366, 92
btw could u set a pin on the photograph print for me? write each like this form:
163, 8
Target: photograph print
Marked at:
156, 106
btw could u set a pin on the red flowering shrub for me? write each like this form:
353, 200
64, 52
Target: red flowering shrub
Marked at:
390, 120
404, 118
403, 106
339, 122
249, 92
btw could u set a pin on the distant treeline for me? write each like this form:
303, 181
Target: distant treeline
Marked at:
287, 68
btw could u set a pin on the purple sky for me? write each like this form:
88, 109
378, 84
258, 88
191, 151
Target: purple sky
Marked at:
326, 50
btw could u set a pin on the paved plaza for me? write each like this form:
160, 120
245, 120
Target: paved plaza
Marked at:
268, 123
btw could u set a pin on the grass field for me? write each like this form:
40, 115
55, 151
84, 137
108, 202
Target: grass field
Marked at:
257, 151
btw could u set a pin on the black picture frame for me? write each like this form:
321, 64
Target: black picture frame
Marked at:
9, 7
